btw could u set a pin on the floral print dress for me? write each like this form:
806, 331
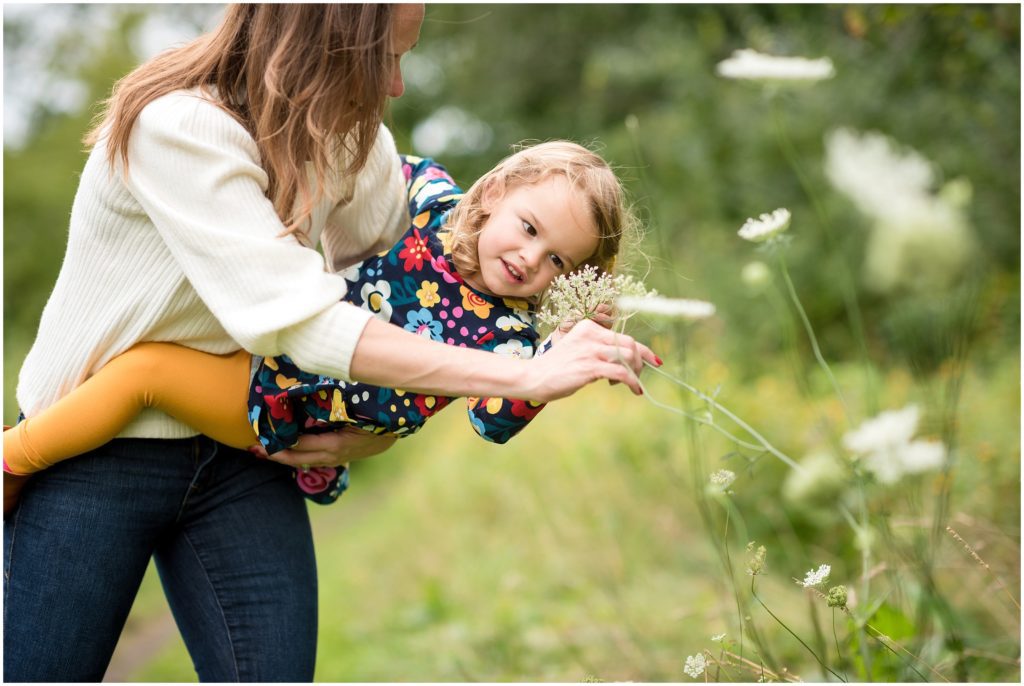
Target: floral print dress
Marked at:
413, 285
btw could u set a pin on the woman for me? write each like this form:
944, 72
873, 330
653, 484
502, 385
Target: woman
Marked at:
215, 168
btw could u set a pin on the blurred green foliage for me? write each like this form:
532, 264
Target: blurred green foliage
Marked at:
703, 154
944, 80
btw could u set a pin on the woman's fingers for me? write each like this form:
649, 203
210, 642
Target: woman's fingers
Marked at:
590, 352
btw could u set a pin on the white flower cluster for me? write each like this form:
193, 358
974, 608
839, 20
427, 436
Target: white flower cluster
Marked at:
885, 446
695, 665
722, 479
667, 307
753, 65
576, 296
767, 226
816, 577
920, 240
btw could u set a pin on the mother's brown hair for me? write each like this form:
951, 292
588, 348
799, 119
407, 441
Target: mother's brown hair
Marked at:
301, 78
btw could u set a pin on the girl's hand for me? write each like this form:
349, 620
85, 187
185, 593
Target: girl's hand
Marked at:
587, 353
330, 449
13, 483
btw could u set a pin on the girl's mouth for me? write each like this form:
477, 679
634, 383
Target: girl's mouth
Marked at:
514, 274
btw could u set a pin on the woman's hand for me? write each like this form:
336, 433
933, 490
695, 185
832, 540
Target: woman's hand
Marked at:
586, 353
330, 449
604, 315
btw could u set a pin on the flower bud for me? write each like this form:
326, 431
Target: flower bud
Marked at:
756, 275
837, 596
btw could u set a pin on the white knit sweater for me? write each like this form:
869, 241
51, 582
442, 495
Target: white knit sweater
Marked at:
187, 248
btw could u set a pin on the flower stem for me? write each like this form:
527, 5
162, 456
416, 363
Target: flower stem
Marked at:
746, 427
839, 653
784, 626
900, 657
810, 335
845, 278
700, 420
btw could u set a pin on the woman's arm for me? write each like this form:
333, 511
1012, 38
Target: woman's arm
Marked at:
388, 356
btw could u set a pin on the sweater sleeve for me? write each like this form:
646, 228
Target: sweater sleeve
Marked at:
196, 173
374, 216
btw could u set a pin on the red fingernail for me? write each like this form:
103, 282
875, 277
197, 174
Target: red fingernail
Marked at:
658, 360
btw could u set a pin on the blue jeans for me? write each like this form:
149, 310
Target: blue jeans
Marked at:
232, 542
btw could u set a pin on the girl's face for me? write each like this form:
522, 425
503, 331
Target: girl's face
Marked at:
533, 234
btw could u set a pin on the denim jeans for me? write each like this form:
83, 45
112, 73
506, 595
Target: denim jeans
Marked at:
232, 543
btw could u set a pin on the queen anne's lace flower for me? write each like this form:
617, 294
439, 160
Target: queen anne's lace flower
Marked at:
885, 448
920, 240
576, 296
816, 577
695, 665
766, 226
922, 456
750, 64
722, 479
889, 429
668, 307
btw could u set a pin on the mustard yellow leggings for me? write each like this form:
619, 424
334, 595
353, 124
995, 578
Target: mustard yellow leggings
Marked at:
207, 392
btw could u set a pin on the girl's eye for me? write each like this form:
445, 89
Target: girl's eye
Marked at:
528, 227
557, 261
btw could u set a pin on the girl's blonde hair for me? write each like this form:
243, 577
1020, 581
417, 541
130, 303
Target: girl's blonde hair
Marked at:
308, 82
587, 173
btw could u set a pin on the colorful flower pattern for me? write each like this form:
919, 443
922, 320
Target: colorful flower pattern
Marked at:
413, 285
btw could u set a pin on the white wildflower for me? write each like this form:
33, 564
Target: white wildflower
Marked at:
920, 240
668, 307
925, 250
922, 456
874, 172
576, 296
718, 637
885, 447
890, 429
695, 665
817, 577
750, 64
722, 479
885, 465
766, 226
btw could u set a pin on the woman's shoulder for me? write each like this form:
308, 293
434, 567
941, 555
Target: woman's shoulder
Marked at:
188, 108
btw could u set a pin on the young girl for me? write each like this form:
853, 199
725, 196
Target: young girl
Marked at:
468, 273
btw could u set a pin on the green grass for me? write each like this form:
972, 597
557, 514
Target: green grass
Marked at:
576, 551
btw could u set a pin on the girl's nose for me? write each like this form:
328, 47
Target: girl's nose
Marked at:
532, 257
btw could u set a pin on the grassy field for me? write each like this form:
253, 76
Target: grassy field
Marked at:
577, 551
